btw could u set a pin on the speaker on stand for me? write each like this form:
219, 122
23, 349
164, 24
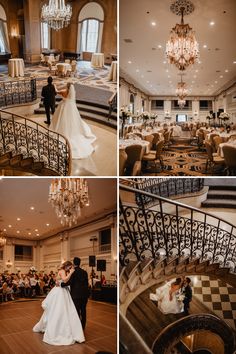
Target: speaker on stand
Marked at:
101, 266
92, 263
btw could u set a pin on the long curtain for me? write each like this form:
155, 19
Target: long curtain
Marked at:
4, 40
90, 33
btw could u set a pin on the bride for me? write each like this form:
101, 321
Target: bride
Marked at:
167, 297
60, 321
67, 121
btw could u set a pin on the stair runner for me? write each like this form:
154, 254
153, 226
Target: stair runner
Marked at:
220, 196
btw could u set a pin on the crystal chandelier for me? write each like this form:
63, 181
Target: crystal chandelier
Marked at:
182, 49
56, 14
181, 102
68, 196
181, 90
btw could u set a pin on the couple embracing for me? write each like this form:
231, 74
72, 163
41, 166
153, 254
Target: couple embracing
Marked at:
174, 297
64, 317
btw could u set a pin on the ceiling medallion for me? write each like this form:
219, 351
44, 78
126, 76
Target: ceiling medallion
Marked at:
182, 49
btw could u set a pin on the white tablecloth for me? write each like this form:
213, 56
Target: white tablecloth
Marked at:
128, 142
220, 148
97, 60
113, 72
16, 67
65, 66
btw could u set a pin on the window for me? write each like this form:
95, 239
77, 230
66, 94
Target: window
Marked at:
157, 104
89, 35
131, 105
45, 36
205, 105
23, 253
105, 240
90, 28
4, 40
1, 254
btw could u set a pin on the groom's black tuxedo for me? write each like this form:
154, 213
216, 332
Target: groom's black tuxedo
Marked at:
79, 292
49, 99
187, 291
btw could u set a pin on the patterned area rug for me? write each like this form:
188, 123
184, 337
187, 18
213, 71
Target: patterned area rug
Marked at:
86, 75
182, 160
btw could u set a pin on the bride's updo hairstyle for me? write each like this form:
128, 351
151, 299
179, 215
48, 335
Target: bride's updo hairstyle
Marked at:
178, 281
66, 265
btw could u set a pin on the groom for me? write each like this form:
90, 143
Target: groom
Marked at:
79, 290
187, 292
49, 98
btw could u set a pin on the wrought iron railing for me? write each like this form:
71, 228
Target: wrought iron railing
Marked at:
190, 324
112, 104
20, 135
165, 187
173, 229
17, 92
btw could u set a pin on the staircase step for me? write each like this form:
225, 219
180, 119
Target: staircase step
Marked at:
27, 162
201, 267
219, 203
47, 172
16, 160
221, 193
222, 186
5, 159
37, 166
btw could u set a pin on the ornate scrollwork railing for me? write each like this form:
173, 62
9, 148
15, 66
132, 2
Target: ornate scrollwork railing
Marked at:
187, 326
17, 92
173, 229
20, 135
112, 104
165, 187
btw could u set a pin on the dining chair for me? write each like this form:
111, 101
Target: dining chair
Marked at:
230, 159
134, 153
122, 162
213, 159
155, 156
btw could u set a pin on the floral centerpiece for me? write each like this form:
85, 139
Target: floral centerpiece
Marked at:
146, 115
224, 116
125, 113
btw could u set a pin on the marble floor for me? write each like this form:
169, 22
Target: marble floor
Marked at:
103, 162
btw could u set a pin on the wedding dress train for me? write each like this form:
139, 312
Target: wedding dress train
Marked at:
60, 321
165, 304
67, 121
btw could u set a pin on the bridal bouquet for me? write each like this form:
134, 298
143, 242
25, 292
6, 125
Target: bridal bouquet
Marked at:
180, 297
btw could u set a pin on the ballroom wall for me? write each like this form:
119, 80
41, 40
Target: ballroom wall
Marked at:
49, 253
23, 18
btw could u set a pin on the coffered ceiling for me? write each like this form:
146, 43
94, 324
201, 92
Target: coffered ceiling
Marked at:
25, 212
144, 30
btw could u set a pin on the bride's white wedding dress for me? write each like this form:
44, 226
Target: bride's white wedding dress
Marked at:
165, 305
67, 121
60, 321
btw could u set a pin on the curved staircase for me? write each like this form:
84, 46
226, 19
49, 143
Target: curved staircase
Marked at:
29, 148
220, 196
156, 246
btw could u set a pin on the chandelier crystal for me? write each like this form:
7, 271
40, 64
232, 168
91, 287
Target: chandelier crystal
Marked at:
68, 196
181, 90
56, 14
3, 239
182, 49
181, 102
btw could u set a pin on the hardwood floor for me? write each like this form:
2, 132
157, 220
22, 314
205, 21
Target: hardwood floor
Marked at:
18, 318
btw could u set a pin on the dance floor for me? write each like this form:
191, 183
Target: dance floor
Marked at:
18, 318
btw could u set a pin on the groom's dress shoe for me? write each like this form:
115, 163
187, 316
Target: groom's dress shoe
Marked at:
47, 122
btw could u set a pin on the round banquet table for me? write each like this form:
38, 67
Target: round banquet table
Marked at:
123, 143
113, 72
97, 60
16, 67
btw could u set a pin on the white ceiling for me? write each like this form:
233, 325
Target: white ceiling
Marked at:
18, 195
204, 78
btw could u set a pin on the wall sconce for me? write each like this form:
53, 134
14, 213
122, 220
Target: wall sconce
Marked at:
8, 263
14, 33
195, 113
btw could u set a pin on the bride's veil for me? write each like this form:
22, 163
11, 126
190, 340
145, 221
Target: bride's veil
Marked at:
71, 93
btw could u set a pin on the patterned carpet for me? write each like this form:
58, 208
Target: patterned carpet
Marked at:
218, 296
182, 160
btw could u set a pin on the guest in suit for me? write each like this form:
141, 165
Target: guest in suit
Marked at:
49, 94
79, 290
187, 291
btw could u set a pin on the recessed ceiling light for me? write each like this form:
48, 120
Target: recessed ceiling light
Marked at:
216, 82
199, 62
148, 82
221, 76
31, 208
168, 76
137, 70
212, 23
226, 70
164, 62
9, 226
18, 219
234, 62
167, 70
29, 233
4, 230
153, 23
159, 46
129, 62
204, 46
17, 231
36, 230
37, 235
194, 76
47, 224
